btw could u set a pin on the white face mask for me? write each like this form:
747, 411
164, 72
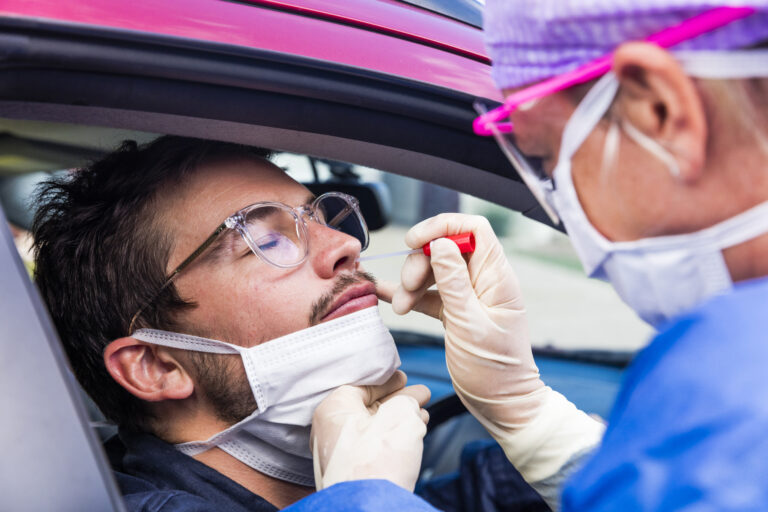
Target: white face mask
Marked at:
289, 377
658, 277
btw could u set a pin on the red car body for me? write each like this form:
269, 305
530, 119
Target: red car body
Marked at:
381, 35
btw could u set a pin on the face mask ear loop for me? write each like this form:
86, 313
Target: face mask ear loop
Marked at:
610, 149
587, 115
652, 147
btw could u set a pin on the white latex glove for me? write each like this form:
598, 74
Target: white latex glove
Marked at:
487, 349
370, 432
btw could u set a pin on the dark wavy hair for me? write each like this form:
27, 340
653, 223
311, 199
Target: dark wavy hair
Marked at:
101, 253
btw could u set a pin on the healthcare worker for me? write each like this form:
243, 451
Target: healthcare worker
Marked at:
658, 169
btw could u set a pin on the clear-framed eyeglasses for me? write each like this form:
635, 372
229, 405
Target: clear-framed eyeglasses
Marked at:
278, 233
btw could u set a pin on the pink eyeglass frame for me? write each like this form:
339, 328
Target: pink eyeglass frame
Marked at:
688, 29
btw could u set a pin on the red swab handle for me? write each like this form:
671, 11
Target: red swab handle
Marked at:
465, 241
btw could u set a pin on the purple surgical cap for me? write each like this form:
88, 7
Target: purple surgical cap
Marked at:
531, 40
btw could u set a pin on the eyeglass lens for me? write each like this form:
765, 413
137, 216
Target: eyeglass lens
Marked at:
338, 213
530, 171
276, 231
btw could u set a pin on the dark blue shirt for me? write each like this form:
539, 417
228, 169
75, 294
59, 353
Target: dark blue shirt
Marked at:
153, 476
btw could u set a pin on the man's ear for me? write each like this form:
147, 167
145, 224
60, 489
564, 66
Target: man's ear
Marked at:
147, 371
661, 101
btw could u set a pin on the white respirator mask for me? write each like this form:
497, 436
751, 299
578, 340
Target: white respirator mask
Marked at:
289, 377
658, 277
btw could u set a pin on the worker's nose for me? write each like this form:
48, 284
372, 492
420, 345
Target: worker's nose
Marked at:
332, 252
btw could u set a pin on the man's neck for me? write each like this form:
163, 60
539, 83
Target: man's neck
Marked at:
277, 492
188, 421
748, 260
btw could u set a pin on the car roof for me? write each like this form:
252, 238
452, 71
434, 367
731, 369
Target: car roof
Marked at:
327, 79
388, 36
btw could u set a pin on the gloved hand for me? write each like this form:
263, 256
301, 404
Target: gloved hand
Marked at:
370, 432
487, 349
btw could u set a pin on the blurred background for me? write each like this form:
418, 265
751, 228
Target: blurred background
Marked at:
566, 309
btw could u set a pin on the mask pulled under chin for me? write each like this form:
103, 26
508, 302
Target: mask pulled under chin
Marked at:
658, 277
289, 377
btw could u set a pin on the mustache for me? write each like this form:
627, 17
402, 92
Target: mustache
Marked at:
344, 281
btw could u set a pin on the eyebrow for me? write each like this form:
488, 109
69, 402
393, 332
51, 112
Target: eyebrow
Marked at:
217, 249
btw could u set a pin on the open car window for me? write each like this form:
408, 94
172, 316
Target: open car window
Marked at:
566, 310
561, 302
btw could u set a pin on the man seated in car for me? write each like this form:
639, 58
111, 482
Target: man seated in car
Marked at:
166, 268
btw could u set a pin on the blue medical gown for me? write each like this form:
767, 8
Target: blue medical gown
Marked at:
689, 429
485, 482
362, 496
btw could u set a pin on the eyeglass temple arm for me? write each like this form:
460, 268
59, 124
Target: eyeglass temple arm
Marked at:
340, 216
184, 264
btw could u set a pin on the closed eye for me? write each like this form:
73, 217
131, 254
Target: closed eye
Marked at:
268, 245
268, 242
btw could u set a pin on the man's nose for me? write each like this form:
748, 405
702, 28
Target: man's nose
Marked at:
332, 251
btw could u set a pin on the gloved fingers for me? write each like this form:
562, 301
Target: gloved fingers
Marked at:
415, 279
342, 401
373, 394
404, 301
357, 399
385, 290
420, 392
493, 279
416, 273
402, 412
425, 301
447, 224
452, 275
428, 302
381, 442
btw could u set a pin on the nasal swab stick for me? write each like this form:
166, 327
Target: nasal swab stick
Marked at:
389, 255
465, 241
